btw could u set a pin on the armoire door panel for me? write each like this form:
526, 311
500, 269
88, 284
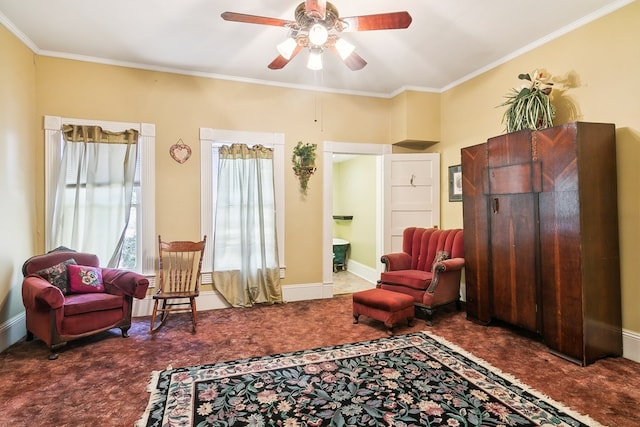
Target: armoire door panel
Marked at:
560, 259
513, 260
474, 204
560, 165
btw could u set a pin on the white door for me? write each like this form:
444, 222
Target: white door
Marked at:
411, 195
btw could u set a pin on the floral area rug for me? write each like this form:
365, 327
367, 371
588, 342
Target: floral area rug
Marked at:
406, 380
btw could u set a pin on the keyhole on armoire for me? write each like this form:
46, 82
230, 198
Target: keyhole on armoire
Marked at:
495, 205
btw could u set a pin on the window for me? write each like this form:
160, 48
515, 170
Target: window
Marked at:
210, 141
130, 254
139, 248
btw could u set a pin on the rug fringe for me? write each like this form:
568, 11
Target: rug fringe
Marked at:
586, 419
153, 399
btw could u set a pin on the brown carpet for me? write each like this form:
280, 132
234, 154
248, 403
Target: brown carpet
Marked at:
101, 381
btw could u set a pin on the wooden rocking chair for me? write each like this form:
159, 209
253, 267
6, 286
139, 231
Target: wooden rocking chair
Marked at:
179, 267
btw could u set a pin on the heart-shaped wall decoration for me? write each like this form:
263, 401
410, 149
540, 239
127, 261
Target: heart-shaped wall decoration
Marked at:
180, 152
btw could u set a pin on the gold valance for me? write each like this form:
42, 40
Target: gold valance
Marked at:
79, 133
242, 151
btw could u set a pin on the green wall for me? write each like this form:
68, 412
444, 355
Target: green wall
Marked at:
354, 193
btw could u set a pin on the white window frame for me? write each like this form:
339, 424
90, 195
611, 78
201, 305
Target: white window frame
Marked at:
210, 141
146, 220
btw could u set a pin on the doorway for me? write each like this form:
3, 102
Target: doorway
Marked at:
355, 202
361, 275
407, 193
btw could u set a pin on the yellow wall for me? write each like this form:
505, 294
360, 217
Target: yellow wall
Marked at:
179, 105
601, 61
18, 139
415, 116
597, 71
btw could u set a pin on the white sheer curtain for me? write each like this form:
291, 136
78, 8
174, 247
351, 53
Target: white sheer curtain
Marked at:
245, 255
92, 201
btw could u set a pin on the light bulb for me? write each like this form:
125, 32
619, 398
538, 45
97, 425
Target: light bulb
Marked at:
318, 34
344, 48
315, 60
287, 47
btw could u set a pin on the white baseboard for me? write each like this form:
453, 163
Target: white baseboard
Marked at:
364, 271
209, 300
212, 300
631, 345
14, 329
307, 291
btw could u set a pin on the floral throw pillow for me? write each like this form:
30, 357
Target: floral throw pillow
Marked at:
84, 279
440, 256
57, 275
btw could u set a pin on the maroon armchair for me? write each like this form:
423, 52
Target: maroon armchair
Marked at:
60, 309
428, 268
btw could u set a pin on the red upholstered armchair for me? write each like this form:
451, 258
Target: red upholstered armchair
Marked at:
428, 268
56, 313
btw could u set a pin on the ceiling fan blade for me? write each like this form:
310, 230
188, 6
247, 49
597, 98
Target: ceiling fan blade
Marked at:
354, 61
281, 61
381, 21
254, 19
316, 8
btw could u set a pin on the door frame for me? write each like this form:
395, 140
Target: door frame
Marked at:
329, 149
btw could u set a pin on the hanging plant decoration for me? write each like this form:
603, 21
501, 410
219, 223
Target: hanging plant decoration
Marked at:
304, 163
530, 106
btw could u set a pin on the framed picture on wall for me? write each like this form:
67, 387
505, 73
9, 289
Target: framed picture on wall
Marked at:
455, 183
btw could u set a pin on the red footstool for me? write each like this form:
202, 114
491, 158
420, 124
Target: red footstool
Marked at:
383, 305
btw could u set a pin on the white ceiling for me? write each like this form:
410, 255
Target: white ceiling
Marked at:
447, 42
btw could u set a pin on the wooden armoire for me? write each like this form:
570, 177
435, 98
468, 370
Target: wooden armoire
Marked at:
541, 236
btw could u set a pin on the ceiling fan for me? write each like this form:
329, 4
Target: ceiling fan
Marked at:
317, 26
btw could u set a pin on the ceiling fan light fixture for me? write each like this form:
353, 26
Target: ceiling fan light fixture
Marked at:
318, 34
317, 27
344, 48
315, 60
287, 47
